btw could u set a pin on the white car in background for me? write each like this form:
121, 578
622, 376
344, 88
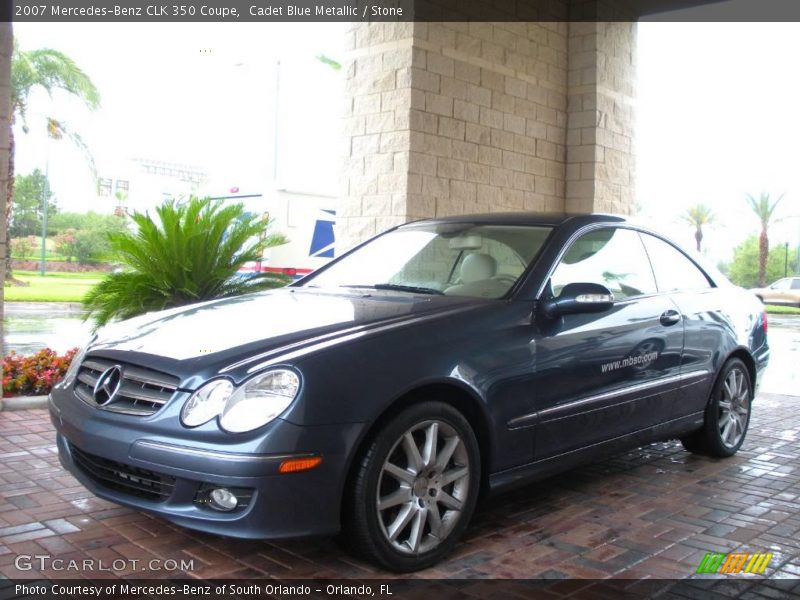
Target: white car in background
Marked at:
785, 291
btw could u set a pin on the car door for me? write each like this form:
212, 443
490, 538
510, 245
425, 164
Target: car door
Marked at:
705, 328
603, 375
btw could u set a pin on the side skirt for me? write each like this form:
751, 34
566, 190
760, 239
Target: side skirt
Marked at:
524, 474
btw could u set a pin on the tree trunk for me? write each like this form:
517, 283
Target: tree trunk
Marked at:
10, 194
698, 237
763, 254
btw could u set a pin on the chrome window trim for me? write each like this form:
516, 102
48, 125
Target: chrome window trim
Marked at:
637, 229
574, 237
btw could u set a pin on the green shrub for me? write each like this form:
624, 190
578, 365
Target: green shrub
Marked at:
23, 247
743, 269
90, 245
191, 253
35, 374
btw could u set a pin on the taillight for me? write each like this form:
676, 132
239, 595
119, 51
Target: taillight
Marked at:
764, 322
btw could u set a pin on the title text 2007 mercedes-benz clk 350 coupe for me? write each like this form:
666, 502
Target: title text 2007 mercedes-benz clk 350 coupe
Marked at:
382, 394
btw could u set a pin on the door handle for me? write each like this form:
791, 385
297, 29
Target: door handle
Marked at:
670, 317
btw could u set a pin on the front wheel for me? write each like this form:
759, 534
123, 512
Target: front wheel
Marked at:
727, 415
415, 488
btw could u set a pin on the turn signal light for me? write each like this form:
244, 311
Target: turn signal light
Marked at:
294, 465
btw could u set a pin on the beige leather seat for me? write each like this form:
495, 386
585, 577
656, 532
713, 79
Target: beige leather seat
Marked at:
475, 278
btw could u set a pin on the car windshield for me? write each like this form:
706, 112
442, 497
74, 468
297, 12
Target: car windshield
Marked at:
453, 259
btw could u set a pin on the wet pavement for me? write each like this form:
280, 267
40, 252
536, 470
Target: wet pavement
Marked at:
783, 374
652, 512
31, 326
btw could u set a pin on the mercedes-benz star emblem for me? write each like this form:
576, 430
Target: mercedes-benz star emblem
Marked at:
108, 385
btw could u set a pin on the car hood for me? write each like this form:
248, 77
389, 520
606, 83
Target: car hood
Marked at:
230, 328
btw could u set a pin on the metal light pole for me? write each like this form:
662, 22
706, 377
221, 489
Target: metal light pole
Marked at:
785, 259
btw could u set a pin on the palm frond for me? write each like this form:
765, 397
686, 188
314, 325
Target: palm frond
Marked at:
699, 215
57, 130
188, 253
763, 208
51, 70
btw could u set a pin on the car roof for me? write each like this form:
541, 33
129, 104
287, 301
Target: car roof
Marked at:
525, 218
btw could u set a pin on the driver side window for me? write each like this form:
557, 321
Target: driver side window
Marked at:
611, 257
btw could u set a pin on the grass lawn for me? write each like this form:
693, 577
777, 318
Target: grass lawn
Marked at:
774, 309
53, 287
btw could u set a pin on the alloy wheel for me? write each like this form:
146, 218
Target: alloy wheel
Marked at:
422, 487
734, 407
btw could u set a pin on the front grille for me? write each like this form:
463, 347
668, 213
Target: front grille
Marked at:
124, 478
142, 392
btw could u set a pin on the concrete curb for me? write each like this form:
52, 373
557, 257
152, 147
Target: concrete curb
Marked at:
23, 402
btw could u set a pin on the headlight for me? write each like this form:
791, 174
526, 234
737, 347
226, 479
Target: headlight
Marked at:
206, 403
259, 400
250, 406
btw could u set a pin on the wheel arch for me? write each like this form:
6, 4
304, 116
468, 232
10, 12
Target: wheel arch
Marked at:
744, 355
450, 392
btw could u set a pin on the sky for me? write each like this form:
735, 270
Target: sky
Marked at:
718, 117
194, 93
718, 112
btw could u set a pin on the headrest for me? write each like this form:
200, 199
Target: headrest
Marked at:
477, 267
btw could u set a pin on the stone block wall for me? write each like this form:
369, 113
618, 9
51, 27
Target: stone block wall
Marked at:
600, 131
488, 125
376, 129
457, 117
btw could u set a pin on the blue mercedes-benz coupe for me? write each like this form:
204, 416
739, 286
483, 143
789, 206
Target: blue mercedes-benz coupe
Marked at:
382, 394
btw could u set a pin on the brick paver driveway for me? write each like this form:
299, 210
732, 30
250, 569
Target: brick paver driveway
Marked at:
653, 512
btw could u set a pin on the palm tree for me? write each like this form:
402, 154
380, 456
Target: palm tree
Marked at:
764, 210
50, 70
192, 253
698, 216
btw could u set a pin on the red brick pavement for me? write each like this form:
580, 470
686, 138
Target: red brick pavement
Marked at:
652, 512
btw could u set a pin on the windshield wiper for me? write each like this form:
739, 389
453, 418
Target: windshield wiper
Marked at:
414, 289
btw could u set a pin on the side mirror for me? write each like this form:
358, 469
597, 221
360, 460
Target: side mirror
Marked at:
579, 298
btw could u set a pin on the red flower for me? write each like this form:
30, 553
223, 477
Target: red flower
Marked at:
35, 374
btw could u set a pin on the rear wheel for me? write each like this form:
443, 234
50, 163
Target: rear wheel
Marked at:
727, 415
415, 488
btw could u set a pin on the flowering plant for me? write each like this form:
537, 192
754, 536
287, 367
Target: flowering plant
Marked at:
34, 374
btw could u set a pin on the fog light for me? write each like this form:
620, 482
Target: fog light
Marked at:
222, 499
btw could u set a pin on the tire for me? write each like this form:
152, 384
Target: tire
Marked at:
400, 497
727, 415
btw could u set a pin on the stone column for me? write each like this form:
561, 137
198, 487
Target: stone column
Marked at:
6, 48
600, 123
457, 118
376, 142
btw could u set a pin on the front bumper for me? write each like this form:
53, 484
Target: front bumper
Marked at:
279, 505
